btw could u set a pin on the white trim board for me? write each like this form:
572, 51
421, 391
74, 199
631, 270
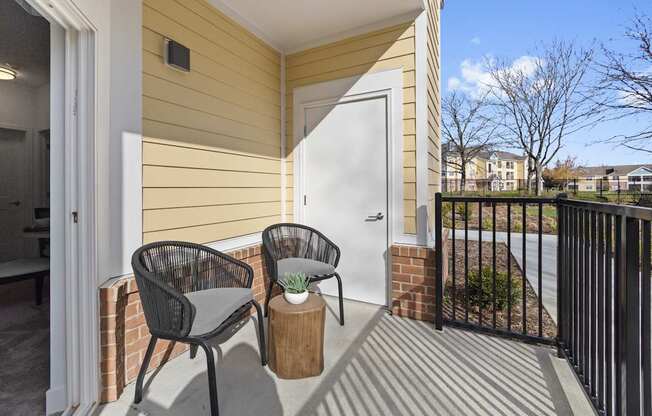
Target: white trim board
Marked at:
421, 65
236, 243
386, 83
79, 117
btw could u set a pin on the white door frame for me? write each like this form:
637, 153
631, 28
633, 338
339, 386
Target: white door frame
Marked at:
388, 84
76, 123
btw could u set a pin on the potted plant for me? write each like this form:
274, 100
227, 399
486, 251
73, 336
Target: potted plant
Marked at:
295, 286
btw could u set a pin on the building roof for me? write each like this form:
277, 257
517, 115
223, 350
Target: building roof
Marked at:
500, 155
618, 170
486, 154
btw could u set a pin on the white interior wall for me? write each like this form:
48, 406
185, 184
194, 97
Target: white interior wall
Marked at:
27, 109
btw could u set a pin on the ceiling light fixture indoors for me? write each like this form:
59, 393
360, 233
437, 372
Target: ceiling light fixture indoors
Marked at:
6, 73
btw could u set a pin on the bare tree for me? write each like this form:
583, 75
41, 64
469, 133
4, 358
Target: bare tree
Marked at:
542, 100
466, 130
628, 76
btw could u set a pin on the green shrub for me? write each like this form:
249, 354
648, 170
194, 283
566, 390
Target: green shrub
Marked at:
487, 224
480, 290
461, 212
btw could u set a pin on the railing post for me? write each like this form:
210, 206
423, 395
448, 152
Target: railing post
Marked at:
632, 349
439, 262
561, 251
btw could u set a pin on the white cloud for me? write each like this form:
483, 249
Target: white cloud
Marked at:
475, 40
475, 80
454, 83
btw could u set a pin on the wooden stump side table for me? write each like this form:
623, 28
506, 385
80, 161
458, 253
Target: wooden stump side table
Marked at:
296, 337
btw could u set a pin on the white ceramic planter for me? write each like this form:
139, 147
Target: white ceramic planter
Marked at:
296, 298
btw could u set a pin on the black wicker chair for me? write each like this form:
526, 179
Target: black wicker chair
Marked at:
191, 293
293, 248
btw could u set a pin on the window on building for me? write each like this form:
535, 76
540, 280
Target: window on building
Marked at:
509, 165
647, 178
634, 178
500, 164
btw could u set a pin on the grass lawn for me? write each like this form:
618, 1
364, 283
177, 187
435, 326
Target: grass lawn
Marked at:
549, 214
549, 217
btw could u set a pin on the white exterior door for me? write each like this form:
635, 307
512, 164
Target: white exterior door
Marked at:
12, 183
346, 187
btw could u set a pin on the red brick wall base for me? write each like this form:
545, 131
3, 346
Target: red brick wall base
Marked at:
413, 281
124, 335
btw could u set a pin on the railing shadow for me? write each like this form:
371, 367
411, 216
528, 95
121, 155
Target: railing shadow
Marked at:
401, 367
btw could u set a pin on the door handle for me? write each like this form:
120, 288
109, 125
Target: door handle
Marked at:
377, 217
15, 203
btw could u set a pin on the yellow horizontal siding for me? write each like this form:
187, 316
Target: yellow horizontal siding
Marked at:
207, 233
389, 48
177, 156
171, 177
211, 152
173, 218
155, 20
192, 136
157, 198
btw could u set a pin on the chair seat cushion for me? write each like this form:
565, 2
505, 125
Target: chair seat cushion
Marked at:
213, 306
308, 266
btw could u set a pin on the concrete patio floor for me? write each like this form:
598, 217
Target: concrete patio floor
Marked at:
375, 365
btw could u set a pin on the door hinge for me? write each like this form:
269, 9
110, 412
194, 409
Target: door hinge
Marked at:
75, 217
305, 131
305, 200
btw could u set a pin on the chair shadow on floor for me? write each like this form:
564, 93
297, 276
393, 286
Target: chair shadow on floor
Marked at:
241, 362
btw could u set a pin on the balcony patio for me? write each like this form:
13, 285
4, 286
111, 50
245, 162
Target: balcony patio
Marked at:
376, 364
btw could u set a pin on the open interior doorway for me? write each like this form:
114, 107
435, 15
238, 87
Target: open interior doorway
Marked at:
24, 208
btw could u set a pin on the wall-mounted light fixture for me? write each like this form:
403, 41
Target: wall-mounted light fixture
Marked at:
6, 73
177, 56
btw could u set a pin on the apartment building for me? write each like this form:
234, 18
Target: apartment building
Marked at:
613, 178
491, 170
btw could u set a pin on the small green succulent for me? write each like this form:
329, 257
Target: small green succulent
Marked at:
295, 282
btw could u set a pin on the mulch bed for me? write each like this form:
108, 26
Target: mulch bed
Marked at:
549, 328
532, 220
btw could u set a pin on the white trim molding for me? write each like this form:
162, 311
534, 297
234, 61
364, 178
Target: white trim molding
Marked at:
79, 103
244, 22
283, 157
385, 83
421, 65
361, 30
236, 243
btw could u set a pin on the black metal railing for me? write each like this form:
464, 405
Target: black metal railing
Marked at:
602, 285
487, 288
604, 302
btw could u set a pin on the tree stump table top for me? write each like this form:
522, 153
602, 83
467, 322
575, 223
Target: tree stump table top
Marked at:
296, 337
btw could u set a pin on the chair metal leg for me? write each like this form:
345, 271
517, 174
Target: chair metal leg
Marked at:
193, 350
212, 379
268, 295
339, 288
261, 334
143, 369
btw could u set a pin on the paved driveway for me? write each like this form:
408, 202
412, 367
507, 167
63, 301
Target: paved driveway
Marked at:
548, 256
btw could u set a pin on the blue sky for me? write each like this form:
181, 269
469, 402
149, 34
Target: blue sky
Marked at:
473, 29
